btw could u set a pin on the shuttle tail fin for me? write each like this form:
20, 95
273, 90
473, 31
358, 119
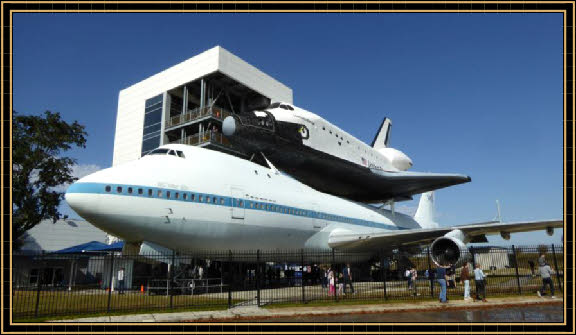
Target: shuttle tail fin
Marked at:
426, 212
382, 139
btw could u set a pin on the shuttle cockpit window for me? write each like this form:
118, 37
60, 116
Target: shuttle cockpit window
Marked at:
180, 153
280, 105
172, 152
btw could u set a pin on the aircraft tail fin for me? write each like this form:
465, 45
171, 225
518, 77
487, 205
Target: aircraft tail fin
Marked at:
382, 138
426, 212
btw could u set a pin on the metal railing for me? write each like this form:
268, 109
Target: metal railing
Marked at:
197, 113
50, 284
206, 137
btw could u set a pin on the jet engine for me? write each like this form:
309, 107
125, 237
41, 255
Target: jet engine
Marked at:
449, 249
397, 158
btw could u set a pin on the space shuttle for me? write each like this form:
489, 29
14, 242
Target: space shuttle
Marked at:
330, 160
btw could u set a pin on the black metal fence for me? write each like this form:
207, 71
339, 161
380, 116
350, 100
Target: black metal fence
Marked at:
52, 284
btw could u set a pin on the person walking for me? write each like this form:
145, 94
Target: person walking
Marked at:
441, 279
408, 277
465, 278
121, 281
480, 283
413, 277
545, 273
348, 278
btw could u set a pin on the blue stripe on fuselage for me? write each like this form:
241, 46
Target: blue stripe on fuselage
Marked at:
217, 200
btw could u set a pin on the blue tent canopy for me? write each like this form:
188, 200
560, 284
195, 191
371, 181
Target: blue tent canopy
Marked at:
117, 246
93, 246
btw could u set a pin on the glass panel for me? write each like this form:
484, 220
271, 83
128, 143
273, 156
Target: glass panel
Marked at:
153, 128
150, 144
154, 100
152, 118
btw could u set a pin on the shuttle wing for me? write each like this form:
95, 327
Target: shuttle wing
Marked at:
340, 239
409, 183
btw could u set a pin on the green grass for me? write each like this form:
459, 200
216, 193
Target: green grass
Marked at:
59, 304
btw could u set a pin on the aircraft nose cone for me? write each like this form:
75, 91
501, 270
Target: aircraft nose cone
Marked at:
229, 126
75, 197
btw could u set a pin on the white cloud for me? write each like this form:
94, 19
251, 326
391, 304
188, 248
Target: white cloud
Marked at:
79, 171
83, 170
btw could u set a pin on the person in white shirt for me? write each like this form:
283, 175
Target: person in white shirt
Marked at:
121, 281
480, 283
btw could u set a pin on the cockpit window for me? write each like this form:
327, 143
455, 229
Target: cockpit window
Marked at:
172, 152
275, 105
180, 153
161, 151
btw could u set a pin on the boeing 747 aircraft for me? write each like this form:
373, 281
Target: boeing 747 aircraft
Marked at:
323, 156
188, 198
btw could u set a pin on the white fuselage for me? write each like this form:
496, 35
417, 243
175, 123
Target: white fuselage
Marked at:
208, 200
328, 138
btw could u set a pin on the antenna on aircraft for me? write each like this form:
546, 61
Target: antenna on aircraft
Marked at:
499, 214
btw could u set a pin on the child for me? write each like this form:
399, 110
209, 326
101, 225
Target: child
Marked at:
332, 282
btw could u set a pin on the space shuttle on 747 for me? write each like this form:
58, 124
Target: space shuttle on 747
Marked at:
323, 156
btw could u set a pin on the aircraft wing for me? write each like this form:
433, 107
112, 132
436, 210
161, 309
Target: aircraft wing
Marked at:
345, 239
409, 183
345, 179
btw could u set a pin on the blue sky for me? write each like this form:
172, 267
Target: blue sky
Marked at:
478, 94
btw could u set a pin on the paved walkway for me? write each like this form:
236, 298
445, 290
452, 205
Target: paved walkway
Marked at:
245, 313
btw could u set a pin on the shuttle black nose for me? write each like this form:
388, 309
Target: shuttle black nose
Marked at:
229, 126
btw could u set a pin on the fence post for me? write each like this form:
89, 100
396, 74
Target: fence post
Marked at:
39, 287
302, 283
383, 272
111, 277
171, 278
258, 277
516, 266
230, 278
430, 273
556, 267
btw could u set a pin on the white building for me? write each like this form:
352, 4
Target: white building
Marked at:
187, 102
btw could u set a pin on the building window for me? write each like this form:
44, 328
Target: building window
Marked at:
150, 192
185, 196
193, 197
168, 194
108, 188
119, 189
152, 124
140, 191
176, 195
129, 190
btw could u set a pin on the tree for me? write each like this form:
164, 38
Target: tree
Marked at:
38, 169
